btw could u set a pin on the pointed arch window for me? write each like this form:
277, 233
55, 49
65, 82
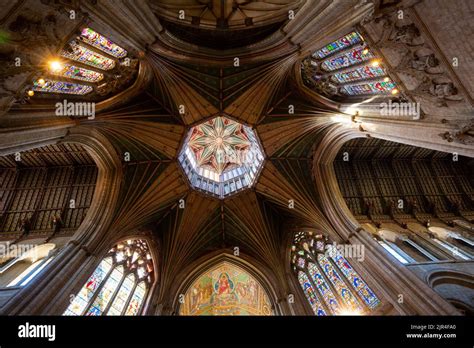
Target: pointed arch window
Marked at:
329, 282
119, 284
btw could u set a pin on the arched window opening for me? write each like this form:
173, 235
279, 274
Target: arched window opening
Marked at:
226, 289
414, 250
458, 246
403, 248
120, 283
28, 262
394, 250
330, 284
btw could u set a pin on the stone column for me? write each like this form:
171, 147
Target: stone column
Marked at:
49, 292
398, 286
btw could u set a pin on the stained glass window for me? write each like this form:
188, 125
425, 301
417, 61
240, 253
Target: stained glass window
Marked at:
119, 284
364, 291
355, 56
341, 43
106, 292
102, 43
52, 86
82, 299
377, 87
323, 287
310, 294
137, 300
341, 67
86, 56
329, 282
123, 295
365, 72
342, 289
76, 73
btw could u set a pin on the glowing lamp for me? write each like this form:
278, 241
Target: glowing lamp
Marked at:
30, 93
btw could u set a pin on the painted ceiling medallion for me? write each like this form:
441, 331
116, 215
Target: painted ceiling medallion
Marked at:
221, 156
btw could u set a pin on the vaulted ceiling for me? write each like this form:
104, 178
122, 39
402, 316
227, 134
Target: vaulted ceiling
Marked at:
184, 79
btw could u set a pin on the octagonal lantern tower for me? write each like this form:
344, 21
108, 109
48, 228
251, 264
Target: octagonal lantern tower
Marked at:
221, 157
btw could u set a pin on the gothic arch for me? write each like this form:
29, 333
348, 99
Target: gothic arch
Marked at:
229, 259
299, 305
455, 287
399, 279
114, 246
74, 261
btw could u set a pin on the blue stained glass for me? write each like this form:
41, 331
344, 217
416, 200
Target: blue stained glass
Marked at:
377, 87
105, 294
341, 43
365, 72
52, 86
323, 287
137, 300
84, 296
123, 294
345, 59
364, 291
310, 294
346, 295
102, 292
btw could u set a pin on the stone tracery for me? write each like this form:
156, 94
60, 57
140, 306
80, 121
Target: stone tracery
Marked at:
146, 131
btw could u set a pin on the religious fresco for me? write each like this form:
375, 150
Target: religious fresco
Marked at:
226, 290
